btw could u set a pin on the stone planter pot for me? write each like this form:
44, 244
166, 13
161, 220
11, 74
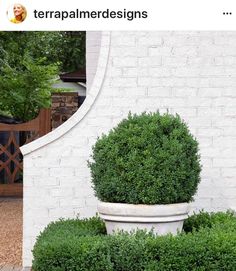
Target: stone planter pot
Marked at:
163, 219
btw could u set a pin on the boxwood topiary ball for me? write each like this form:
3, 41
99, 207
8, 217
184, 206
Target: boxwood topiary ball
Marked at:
147, 159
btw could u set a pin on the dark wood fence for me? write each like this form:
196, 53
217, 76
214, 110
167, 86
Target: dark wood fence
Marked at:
13, 136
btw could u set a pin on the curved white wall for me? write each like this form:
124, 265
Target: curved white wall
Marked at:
56, 179
191, 73
93, 43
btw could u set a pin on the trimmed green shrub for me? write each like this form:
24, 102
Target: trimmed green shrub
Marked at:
62, 244
207, 249
147, 159
128, 252
82, 246
205, 219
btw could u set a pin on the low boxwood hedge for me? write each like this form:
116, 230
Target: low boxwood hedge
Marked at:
78, 245
205, 219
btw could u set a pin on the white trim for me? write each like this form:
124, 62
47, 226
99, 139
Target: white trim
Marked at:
86, 106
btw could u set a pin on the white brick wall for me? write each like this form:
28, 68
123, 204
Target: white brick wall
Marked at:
93, 44
190, 73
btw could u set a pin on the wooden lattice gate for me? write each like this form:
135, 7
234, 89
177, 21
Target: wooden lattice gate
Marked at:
11, 160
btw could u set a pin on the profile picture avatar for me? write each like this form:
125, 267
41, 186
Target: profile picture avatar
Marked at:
17, 13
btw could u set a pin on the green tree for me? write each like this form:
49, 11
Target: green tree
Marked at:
29, 63
24, 91
64, 47
67, 48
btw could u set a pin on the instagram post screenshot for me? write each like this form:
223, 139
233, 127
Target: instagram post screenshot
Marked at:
117, 135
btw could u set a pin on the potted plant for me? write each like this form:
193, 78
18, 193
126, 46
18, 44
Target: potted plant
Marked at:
145, 172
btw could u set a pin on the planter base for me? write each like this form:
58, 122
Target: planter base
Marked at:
162, 219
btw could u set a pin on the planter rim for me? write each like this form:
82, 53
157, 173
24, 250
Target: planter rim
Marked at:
143, 210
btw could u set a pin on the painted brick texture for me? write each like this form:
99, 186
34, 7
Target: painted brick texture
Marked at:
93, 43
189, 73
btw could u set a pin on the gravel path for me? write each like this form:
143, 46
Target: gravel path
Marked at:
10, 268
10, 232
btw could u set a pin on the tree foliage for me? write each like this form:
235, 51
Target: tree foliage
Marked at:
66, 48
24, 91
29, 63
